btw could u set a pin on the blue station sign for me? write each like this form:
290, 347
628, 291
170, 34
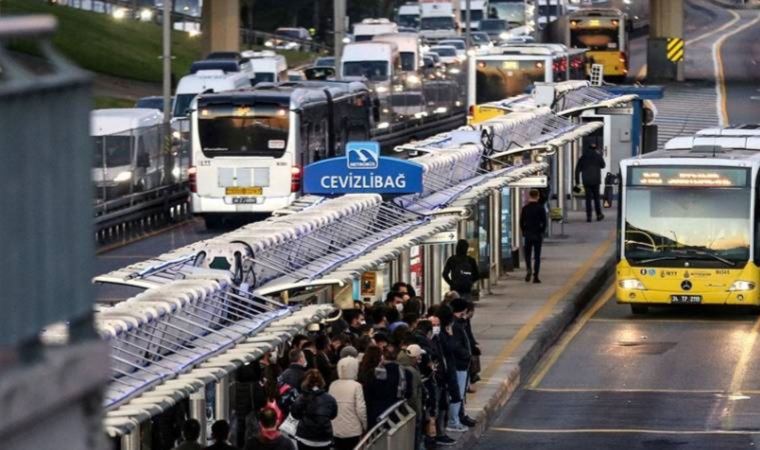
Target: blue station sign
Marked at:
363, 171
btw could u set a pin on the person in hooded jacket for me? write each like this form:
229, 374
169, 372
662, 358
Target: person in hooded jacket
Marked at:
461, 271
385, 382
314, 409
351, 421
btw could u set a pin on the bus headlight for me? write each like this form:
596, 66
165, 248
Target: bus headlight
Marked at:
123, 176
742, 286
630, 283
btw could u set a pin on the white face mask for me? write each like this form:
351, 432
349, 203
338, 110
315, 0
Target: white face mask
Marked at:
436, 330
400, 307
362, 322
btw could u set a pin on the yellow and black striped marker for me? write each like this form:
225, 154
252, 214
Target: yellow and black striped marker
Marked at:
676, 49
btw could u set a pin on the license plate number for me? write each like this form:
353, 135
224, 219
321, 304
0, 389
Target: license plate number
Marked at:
686, 299
244, 200
253, 190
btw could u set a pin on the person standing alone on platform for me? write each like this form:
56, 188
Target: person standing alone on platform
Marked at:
461, 271
533, 226
590, 167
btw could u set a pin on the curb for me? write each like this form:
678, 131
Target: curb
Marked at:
545, 337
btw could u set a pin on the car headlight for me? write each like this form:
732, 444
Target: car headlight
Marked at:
175, 172
413, 80
454, 70
269, 44
741, 286
504, 35
382, 89
630, 283
123, 176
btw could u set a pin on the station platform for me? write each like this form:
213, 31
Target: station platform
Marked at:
518, 322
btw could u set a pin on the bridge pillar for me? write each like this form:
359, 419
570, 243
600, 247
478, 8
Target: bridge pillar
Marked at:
221, 26
665, 32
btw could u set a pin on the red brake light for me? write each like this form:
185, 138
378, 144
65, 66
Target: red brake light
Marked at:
295, 179
192, 179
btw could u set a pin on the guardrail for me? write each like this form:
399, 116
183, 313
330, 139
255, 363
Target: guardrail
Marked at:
394, 430
136, 213
417, 129
256, 37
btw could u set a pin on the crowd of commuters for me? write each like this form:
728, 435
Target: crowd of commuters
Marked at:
332, 385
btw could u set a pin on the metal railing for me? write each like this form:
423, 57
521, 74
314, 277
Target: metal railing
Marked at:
395, 430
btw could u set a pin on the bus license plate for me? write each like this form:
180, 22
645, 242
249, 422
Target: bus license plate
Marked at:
244, 200
236, 190
686, 299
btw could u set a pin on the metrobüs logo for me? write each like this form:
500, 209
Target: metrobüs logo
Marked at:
362, 155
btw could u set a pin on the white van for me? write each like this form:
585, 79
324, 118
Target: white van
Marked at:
378, 62
409, 15
367, 28
268, 66
205, 81
127, 155
408, 47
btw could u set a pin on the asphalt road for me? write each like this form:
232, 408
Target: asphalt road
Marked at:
672, 379
740, 55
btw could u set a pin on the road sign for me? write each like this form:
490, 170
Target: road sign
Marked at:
446, 237
363, 171
675, 49
539, 181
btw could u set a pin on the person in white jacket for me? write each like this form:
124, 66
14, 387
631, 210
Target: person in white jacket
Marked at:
351, 422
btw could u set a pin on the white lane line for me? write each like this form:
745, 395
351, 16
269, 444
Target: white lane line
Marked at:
726, 25
720, 77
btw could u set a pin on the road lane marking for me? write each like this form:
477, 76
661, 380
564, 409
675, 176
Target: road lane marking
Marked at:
726, 25
720, 77
646, 320
624, 391
619, 430
740, 370
568, 337
548, 307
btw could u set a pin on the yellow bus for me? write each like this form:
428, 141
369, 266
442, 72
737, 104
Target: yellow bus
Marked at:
603, 32
689, 223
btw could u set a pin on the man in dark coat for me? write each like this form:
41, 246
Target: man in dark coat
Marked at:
590, 167
461, 271
533, 226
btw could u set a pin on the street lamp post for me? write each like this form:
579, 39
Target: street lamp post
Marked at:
167, 84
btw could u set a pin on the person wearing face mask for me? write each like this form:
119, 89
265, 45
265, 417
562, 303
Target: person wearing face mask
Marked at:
442, 318
423, 337
462, 350
395, 300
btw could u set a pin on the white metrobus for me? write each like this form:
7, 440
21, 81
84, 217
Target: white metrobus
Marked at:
250, 145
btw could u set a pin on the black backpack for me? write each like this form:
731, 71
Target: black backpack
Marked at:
462, 275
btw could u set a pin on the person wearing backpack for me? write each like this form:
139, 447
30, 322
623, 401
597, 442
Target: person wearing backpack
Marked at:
314, 409
461, 271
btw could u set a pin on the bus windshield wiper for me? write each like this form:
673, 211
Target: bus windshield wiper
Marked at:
659, 258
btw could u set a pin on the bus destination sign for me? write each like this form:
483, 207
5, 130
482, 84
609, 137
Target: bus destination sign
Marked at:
688, 176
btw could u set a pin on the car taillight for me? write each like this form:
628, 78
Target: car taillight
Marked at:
192, 179
295, 179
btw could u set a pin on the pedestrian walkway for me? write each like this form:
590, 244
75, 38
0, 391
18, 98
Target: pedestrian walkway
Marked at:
518, 321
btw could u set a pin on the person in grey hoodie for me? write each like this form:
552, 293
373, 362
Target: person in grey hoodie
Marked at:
351, 421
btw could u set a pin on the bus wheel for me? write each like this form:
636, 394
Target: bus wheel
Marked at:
639, 309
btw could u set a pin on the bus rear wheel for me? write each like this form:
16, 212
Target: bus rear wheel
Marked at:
639, 309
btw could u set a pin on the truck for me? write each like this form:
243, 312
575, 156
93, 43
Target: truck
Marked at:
478, 9
437, 20
409, 15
